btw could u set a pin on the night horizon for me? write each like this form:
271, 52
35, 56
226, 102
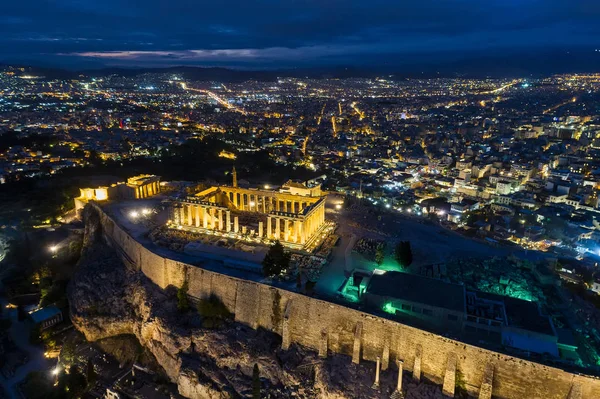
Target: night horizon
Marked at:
375, 35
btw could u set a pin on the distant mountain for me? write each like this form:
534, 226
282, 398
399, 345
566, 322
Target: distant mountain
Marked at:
506, 64
202, 73
236, 75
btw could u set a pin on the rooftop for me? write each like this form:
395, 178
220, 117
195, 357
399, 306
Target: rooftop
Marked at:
44, 314
418, 289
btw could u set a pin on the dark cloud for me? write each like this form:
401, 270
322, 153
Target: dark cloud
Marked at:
242, 32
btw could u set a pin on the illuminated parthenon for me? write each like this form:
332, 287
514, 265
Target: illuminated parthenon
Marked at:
295, 220
144, 186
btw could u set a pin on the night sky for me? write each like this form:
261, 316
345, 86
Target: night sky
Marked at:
292, 33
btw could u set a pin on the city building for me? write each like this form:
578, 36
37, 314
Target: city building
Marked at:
442, 306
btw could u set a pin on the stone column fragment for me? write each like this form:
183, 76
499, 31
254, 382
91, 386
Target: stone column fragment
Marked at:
377, 364
400, 364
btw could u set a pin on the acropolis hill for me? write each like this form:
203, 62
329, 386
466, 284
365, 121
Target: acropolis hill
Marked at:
356, 353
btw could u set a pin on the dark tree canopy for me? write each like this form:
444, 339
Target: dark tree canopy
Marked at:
379, 254
403, 253
276, 261
255, 382
182, 299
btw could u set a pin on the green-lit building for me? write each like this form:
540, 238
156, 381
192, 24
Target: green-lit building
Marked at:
449, 308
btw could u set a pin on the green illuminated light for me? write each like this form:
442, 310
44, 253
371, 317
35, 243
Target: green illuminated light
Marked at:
389, 308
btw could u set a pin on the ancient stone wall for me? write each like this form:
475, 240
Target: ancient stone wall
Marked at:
305, 320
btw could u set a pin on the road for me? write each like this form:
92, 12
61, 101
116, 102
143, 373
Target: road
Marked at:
339, 268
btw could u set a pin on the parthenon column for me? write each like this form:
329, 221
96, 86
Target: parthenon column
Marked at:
294, 235
236, 226
204, 217
301, 233
269, 233
228, 220
286, 230
221, 220
277, 228
260, 229
181, 215
189, 214
211, 213
197, 209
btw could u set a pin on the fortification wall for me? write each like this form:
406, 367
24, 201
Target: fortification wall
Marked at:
303, 320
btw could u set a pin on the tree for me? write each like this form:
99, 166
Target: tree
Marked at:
21, 313
182, 299
75, 383
276, 261
90, 373
403, 253
255, 382
213, 312
379, 255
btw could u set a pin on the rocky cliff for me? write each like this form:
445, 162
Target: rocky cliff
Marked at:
108, 299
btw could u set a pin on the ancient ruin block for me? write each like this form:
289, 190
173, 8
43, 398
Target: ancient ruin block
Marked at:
286, 333
575, 392
385, 358
323, 344
357, 342
450, 376
485, 392
417, 365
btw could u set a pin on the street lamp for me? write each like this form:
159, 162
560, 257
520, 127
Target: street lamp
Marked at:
134, 214
53, 248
